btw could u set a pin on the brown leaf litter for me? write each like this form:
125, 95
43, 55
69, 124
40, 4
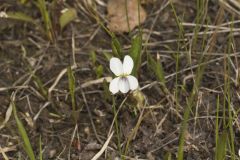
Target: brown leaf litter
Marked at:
124, 16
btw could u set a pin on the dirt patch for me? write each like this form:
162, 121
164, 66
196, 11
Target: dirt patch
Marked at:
28, 59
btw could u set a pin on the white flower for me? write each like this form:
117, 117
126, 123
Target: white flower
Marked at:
124, 81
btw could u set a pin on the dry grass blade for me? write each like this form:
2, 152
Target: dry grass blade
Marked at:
231, 5
103, 148
7, 117
3, 153
72, 138
8, 149
12, 87
90, 116
97, 81
61, 74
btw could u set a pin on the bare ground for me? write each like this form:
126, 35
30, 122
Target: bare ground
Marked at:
26, 56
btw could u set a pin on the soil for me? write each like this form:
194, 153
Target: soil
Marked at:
27, 57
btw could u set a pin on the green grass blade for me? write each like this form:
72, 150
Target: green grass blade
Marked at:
40, 86
217, 123
71, 82
135, 53
168, 156
46, 18
117, 126
190, 104
26, 143
201, 4
221, 147
179, 23
40, 148
93, 58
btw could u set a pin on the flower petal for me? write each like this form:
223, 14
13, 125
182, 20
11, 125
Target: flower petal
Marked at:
116, 66
127, 65
133, 82
123, 85
113, 86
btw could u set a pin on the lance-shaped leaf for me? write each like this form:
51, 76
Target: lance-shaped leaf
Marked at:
116, 47
135, 53
26, 142
20, 17
156, 67
68, 15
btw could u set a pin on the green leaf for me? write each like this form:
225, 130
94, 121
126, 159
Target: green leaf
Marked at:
108, 56
20, 16
106, 93
93, 58
156, 67
135, 53
116, 47
67, 16
99, 71
26, 142
23, 1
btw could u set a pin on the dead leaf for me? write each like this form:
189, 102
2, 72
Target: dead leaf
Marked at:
118, 18
150, 156
93, 146
99, 113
